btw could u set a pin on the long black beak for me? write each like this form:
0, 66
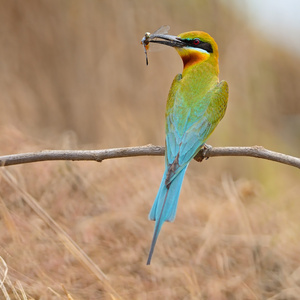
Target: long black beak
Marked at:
165, 39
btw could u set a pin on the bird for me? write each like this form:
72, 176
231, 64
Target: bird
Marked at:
196, 103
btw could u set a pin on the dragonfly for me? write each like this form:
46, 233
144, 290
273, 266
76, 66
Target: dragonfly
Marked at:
160, 33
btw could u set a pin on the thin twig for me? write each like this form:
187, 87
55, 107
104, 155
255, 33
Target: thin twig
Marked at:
148, 150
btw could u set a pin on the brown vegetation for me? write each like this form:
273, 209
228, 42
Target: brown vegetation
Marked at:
73, 76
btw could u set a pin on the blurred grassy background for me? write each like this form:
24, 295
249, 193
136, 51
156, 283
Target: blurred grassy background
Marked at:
73, 75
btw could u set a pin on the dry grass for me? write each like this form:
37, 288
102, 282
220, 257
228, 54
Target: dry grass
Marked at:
230, 239
73, 76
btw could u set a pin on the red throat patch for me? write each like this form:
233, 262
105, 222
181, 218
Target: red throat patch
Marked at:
191, 58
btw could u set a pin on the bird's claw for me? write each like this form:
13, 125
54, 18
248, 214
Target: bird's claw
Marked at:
202, 153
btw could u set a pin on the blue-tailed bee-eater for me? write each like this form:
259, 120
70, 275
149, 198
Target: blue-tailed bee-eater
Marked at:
196, 103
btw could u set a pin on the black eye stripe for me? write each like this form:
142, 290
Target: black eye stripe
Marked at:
202, 45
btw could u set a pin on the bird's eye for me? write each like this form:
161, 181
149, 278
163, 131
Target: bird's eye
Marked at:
196, 42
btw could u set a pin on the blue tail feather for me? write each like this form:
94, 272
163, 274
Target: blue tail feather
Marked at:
165, 205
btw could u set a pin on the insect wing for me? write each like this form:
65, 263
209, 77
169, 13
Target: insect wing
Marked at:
145, 40
162, 30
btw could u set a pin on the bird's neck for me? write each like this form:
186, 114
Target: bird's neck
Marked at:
192, 58
200, 68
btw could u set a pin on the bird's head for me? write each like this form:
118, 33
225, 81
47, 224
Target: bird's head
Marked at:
194, 46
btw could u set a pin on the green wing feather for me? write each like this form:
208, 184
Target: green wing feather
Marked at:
188, 126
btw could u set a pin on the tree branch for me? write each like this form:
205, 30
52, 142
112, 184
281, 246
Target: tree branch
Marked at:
148, 150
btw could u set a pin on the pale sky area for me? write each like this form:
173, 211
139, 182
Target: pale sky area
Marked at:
279, 20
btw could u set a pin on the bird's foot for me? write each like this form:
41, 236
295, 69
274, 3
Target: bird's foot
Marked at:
202, 153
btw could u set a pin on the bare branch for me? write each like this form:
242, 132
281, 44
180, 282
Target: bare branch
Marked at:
254, 151
148, 150
95, 155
